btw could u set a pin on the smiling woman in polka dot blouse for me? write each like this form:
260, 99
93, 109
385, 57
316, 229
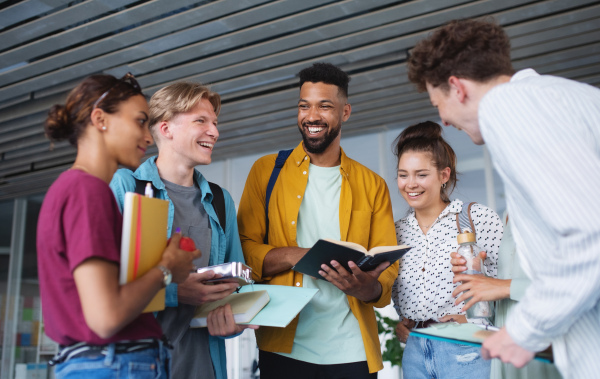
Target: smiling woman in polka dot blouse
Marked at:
422, 294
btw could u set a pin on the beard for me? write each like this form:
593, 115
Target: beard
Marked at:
319, 144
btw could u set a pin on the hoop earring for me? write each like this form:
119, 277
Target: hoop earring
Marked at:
443, 185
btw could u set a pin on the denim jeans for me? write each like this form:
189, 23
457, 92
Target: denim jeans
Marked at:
144, 364
425, 359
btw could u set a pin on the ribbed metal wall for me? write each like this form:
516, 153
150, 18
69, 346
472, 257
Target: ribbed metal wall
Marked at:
250, 52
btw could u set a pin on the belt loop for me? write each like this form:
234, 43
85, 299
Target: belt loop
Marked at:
110, 354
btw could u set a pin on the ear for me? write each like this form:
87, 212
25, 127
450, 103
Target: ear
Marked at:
164, 129
457, 88
99, 119
445, 174
347, 111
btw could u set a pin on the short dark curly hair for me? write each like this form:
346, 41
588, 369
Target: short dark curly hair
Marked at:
325, 73
471, 49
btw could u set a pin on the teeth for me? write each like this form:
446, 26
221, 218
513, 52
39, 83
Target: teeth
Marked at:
206, 144
414, 193
315, 129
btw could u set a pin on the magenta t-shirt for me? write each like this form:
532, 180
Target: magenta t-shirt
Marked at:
79, 219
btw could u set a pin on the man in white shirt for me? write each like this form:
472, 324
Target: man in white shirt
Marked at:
543, 133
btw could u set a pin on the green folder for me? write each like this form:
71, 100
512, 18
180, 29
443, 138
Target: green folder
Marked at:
463, 334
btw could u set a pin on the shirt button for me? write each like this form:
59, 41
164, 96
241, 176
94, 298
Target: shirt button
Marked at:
293, 222
298, 162
298, 284
299, 196
304, 172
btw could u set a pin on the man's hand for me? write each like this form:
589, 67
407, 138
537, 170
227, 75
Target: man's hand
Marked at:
403, 329
221, 323
196, 291
358, 283
502, 346
481, 288
461, 319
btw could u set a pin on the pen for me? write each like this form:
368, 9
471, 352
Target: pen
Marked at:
149, 192
488, 327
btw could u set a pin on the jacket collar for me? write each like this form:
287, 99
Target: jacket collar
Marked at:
298, 156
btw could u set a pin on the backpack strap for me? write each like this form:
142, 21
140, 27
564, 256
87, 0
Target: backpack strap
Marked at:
218, 200
282, 156
464, 220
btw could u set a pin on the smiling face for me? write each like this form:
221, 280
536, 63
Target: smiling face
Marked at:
194, 134
127, 136
321, 112
460, 114
419, 181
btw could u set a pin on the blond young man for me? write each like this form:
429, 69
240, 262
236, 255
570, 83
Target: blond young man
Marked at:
183, 123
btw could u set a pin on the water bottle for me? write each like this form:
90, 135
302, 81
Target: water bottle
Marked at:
470, 252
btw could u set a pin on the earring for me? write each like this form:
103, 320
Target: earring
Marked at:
104, 128
443, 185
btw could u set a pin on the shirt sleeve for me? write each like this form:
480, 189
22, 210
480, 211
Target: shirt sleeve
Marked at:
542, 143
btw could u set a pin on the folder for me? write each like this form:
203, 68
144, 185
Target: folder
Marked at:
143, 241
466, 334
244, 307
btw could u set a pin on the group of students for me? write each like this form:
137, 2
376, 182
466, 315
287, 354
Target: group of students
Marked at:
319, 192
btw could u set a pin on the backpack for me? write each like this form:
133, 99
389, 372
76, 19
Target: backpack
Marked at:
282, 156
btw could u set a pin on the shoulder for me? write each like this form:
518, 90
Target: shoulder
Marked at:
360, 171
483, 215
123, 178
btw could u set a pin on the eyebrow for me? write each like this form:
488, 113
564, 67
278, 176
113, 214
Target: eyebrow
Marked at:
145, 114
322, 101
421, 170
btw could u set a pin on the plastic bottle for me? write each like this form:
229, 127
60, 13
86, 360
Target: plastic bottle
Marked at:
470, 252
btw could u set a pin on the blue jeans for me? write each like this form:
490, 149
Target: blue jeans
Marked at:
144, 364
425, 359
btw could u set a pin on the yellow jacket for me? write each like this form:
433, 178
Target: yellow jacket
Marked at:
365, 218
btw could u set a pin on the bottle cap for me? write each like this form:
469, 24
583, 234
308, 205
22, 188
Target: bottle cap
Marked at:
465, 237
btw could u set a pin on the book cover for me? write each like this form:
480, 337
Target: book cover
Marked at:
244, 306
466, 334
326, 250
143, 241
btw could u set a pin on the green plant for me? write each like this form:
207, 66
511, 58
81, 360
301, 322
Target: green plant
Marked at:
392, 350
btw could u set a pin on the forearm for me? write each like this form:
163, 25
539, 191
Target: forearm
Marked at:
281, 259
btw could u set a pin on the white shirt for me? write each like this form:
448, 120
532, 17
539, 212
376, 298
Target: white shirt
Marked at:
543, 133
423, 295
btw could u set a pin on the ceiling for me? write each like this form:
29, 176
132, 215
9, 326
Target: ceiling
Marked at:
250, 52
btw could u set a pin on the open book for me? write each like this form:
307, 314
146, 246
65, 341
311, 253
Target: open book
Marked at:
327, 250
143, 241
467, 334
244, 307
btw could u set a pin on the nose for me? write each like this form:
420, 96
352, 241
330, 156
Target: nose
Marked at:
213, 131
148, 137
313, 114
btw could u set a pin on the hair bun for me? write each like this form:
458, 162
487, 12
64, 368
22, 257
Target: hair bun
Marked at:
58, 125
426, 130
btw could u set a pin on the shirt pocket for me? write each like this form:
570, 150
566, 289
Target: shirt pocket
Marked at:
360, 227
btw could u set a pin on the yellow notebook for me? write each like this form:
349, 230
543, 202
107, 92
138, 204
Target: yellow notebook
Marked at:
144, 240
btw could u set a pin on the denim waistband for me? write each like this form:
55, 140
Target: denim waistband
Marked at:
82, 349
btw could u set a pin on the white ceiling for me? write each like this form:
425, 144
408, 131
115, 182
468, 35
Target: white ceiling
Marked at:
250, 52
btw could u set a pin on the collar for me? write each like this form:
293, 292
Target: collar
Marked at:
453, 208
524, 74
149, 172
299, 156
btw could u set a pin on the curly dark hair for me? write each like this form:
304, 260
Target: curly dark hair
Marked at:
427, 137
478, 50
326, 73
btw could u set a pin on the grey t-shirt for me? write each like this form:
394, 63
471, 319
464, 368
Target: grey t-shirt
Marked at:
191, 355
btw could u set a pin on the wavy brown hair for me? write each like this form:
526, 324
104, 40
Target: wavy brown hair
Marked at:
478, 50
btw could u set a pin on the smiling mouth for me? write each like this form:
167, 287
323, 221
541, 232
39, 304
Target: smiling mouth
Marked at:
208, 145
415, 194
314, 129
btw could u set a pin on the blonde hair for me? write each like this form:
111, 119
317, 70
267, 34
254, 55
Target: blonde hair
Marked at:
178, 98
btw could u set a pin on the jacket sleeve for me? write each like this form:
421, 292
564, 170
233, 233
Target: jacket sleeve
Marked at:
383, 233
252, 219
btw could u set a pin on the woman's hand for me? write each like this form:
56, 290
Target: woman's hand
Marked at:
461, 319
480, 288
403, 329
179, 261
459, 263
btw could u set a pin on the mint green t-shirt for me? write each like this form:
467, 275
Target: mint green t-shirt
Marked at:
327, 332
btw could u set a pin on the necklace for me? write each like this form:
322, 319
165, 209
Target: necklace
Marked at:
81, 168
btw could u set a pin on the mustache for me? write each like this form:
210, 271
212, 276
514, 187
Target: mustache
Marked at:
307, 123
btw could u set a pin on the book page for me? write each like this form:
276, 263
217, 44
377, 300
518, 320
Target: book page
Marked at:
350, 245
385, 249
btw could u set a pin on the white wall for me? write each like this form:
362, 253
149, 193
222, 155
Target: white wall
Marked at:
375, 152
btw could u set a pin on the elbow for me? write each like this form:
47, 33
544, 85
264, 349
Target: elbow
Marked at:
102, 327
